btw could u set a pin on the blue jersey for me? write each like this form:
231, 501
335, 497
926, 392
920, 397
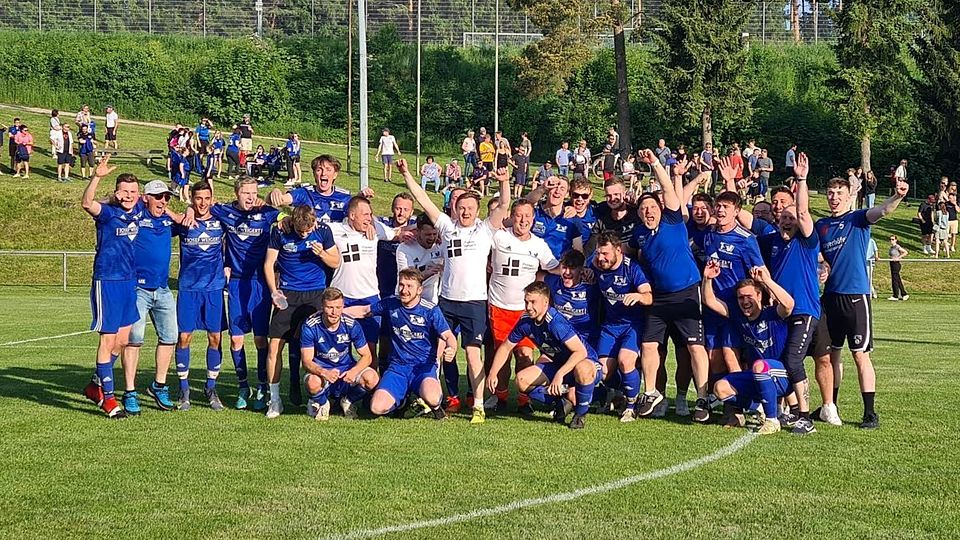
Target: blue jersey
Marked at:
585, 224
578, 303
152, 251
558, 232
203, 133
763, 337
793, 265
248, 234
293, 149
737, 252
234, 142
762, 227
617, 283
329, 208
201, 256
332, 348
116, 233
387, 259
414, 331
549, 335
665, 253
300, 268
85, 143
843, 242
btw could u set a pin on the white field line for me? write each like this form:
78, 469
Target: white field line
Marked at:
728, 450
34, 340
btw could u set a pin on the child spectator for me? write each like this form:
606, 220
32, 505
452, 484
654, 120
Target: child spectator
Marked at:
292, 150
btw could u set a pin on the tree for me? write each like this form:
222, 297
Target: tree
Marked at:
874, 84
936, 51
705, 62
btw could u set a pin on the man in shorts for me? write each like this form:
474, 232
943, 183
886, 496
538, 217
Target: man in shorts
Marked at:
385, 150
113, 124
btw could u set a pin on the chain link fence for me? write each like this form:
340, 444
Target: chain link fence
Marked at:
446, 22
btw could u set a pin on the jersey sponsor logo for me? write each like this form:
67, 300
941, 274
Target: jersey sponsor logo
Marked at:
343, 338
726, 247
613, 296
455, 248
569, 311
407, 335
418, 320
130, 231
245, 231
511, 268
204, 241
620, 281
352, 253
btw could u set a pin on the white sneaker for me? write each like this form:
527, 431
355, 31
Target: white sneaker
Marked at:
906, 297
491, 402
660, 410
274, 409
323, 412
349, 408
829, 414
628, 414
893, 298
683, 408
290, 183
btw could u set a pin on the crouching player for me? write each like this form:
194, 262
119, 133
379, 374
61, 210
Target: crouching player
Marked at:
766, 383
331, 370
416, 326
565, 360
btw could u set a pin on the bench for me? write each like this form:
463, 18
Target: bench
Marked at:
147, 155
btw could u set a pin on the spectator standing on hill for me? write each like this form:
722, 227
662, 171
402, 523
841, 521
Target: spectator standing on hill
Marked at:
925, 215
83, 117
385, 151
63, 146
870, 190
24, 141
86, 147
293, 150
521, 166
56, 130
662, 151
469, 148
526, 144
942, 228
952, 219
896, 253
233, 153
246, 134
203, 134
12, 143
562, 159
765, 166
488, 153
790, 161
215, 162
113, 124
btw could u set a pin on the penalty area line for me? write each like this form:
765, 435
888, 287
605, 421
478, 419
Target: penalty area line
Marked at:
34, 340
726, 451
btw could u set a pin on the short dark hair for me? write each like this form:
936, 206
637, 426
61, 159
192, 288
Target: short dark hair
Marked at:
331, 293
838, 182
356, 201
411, 274
782, 189
702, 197
423, 221
303, 217
202, 185
126, 178
317, 161
469, 195
611, 238
573, 259
731, 197
518, 203
402, 195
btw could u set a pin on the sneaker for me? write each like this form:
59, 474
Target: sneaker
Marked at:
452, 405
323, 412
213, 399
290, 183
788, 420
242, 399
94, 393
660, 410
769, 427
421, 408
701, 413
628, 415
870, 421
259, 400
830, 415
313, 408
579, 420
112, 409
682, 407
296, 397
350, 408
438, 413
894, 298
804, 426
131, 405
491, 403
160, 395
274, 409
906, 297
479, 416
647, 403
183, 402
526, 409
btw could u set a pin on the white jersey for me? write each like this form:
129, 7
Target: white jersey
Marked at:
112, 118
413, 255
356, 276
386, 145
515, 265
465, 251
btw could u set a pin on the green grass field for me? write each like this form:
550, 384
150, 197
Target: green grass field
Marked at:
69, 473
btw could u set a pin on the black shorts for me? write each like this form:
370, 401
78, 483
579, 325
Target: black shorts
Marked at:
285, 324
468, 318
12, 148
111, 134
820, 344
800, 334
86, 160
488, 165
64, 158
678, 311
850, 319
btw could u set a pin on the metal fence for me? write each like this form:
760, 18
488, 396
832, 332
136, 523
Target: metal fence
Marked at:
449, 22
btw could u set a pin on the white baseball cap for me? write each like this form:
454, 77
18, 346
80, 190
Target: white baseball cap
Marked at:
156, 187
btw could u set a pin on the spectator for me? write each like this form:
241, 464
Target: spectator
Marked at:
706, 158
545, 171
293, 151
257, 163
942, 228
790, 161
203, 134
56, 131
854, 180
681, 153
453, 172
900, 174
24, 141
273, 162
488, 152
3, 131
430, 172
750, 149
870, 189
952, 218
736, 160
662, 152
500, 139
765, 167
579, 163
562, 159
63, 147
629, 172
896, 254
233, 153
608, 161
215, 163
521, 167
526, 144
246, 134
386, 147
12, 144
861, 180
113, 125
582, 146
83, 117
944, 189
871, 256
469, 148
925, 215
478, 180
503, 154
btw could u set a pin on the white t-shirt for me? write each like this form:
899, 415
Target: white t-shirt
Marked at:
386, 145
112, 118
414, 255
469, 145
515, 265
356, 276
465, 251
901, 172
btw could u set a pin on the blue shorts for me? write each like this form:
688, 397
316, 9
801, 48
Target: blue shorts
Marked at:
249, 306
338, 389
614, 337
401, 379
387, 158
550, 369
201, 310
114, 305
469, 317
718, 332
746, 388
369, 325
161, 306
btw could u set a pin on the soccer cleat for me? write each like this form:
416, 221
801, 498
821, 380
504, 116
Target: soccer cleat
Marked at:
312, 408
350, 408
788, 420
112, 409
296, 397
452, 405
628, 415
683, 408
242, 399
804, 426
830, 415
323, 412
438, 413
526, 409
160, 395
259, 400
769, 427
647, 403
701, 413
421, 408
754, 418
131, 405
213, 399
479, 416
183, 402
578, 421
660, 410
274, 409
491, 402
870, 421
94, 393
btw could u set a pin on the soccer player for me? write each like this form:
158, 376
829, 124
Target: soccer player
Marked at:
766, 383
200, 293
247, 224
304, 256
326, 340
466, 245
328, 201
565, 360
416, 330
623, 288
550, 223
425, 255
113, 295
844, 236
615, 214
516, 258
402, 219
573, 297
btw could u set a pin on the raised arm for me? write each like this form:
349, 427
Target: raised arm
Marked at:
729, 171
279, 198
785, 302
888, 206
710, 299
545, 184
89, 200
800, 171
671, 199
503, 210
433, 213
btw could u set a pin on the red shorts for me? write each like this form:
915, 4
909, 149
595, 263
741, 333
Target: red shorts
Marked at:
502, 322
607, 175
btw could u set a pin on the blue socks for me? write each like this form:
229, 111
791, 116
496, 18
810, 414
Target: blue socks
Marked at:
240, 366
631, 385
182, 358
320, 398
214, 359
451, 375
105, 374
768, 393
584, 397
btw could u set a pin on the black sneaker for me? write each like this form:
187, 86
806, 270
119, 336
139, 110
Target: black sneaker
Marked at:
439, 413
559, 411
816, 413
701, 411
647, 403
803, 426
788, 420
579, 420
870, 421
526, 410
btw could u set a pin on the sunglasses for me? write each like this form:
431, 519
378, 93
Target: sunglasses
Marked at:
162, 196
580, 196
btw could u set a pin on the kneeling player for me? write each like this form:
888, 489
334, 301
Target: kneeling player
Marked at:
332, 372
766, 383
565, 360
416, 326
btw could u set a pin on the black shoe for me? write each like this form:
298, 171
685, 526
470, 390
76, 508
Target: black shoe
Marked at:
815, 414
439, 413
788, 420
526, 410
804, 426
647, 403
701, 411
579, 420
296, 398
501, 406
559, 411
870, 421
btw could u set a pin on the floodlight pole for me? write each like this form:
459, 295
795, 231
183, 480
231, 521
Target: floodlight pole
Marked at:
419, 57
364, 149
496, 70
